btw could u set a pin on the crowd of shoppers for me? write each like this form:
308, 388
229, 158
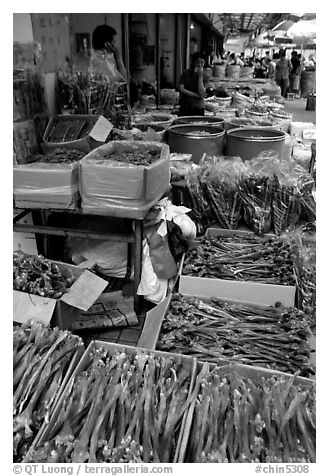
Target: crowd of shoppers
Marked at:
278, 68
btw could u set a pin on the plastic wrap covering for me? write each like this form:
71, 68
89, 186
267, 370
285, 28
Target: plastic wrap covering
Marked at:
106, 257
28, 93
110, 185
297, 129
256, 189
302, 154
220, 181
241, 102
202, 213
153, 118
180, 165
24, 141
46, 185
137, 134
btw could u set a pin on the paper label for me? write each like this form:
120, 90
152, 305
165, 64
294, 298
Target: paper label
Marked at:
101, 129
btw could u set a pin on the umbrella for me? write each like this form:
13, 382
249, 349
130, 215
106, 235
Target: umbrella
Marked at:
303, 32
283, 26
303, 28
302, 16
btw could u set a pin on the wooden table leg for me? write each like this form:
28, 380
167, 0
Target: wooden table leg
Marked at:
138, 263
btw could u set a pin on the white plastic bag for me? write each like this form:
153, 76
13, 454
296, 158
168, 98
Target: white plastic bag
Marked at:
177, 214
150, 286
107, 257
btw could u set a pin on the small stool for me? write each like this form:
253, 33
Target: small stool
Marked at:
290, 96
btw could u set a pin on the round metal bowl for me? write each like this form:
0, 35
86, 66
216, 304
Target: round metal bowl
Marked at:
249, 142
199, 120
181, 140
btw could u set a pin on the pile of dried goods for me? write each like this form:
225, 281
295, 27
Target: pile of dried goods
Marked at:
197, 132
239, 420
41, 359
121, 408
136, 158
59, 156
38, 275
275, 337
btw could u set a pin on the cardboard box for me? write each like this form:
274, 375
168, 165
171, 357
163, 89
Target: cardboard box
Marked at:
61, 312
46, 185
246, 292
97, 129
25, 241
103, 179
253, 373
73, 364
225, 362
112, 348
109, 311
153, 323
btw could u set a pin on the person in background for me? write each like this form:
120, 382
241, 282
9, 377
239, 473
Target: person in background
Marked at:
105, 51
239, 61
310, 63
192, 89
260, 68
232, 59
282, 71
271, 65
294, 78
249, 62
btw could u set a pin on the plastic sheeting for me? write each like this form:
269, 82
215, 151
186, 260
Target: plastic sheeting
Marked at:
48, 183
126, 190
106, 257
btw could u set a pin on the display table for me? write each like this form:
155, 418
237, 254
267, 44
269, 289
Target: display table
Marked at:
135, 236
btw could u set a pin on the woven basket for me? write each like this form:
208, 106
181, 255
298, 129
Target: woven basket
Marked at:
258, 115
224, 102
283, 120
233, 72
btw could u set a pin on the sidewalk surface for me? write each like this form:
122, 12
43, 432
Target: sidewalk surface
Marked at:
298, 108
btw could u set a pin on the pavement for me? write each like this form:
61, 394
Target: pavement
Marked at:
298, 108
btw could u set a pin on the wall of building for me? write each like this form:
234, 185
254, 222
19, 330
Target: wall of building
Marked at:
52, 31
142, 65
22, 27
83, 25
167, 48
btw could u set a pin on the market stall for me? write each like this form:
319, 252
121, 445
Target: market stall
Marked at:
166, 311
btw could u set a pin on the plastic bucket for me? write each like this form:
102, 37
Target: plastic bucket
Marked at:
180, 140
219, 71
209, 72
256, 115
246, 71
224, 102
307, 83
248, 143
233, 72
199, 120
283, 120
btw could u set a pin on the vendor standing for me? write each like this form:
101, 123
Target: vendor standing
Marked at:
191, 88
